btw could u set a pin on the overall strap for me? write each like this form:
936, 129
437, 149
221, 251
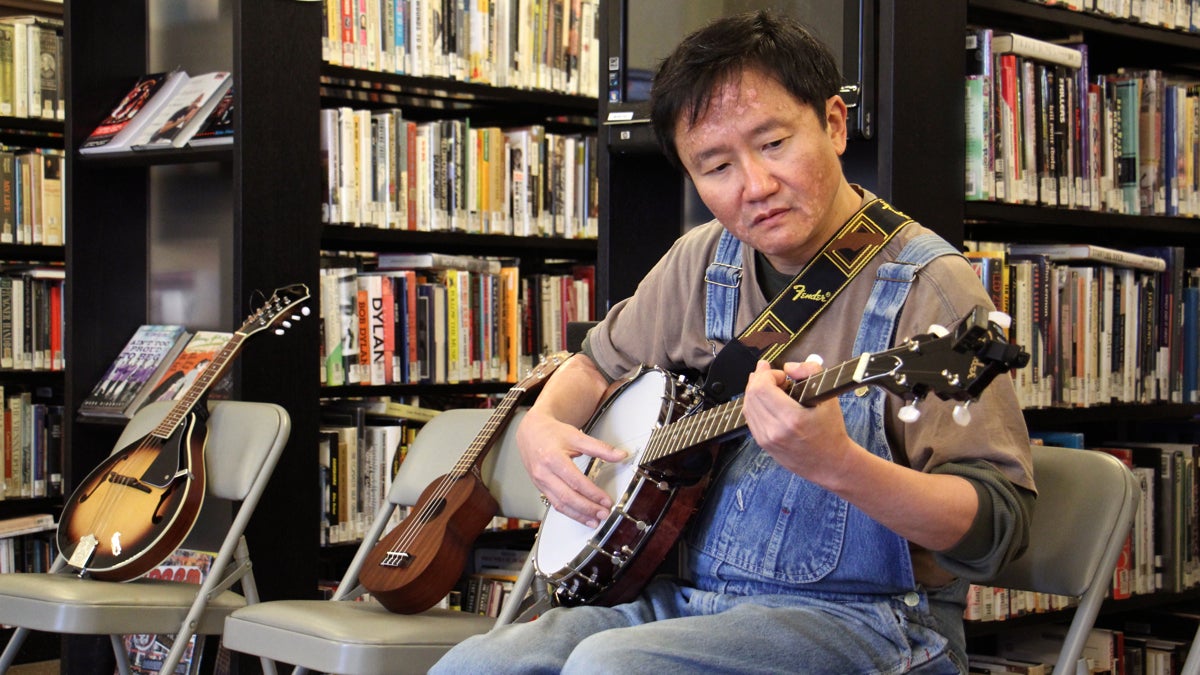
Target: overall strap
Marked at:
892, 283
722, 279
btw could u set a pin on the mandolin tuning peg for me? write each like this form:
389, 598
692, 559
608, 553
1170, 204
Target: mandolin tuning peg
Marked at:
286, 324
279, 331
1000, 319
909, 413
296, 317
938, 330
962, 414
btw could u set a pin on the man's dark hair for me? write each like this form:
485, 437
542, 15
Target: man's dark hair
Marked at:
775, 45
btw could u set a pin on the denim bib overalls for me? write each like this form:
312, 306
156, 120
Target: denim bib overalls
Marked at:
785, 577
806, 540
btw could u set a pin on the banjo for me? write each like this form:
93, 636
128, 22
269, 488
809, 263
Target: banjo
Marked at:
672, 437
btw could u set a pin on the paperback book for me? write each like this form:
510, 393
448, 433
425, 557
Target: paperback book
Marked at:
174, 124
195, 357
123, 388
18, 525
217, 128
133, 112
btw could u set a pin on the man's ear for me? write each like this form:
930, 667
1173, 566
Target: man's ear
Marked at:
835, 122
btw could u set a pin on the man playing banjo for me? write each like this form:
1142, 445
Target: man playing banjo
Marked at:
836, 536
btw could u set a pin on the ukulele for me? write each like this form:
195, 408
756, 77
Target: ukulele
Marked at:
418, 562
139, 504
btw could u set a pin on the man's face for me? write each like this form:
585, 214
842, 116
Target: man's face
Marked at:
767, 168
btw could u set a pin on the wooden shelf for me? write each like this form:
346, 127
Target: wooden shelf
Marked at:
337, 237
33, 253
461, 389
440, 92
161, 157
44, 7
1047, 418
992, 221
978, 629
1112, 42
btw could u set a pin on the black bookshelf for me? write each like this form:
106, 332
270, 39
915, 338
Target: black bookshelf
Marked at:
272, 229
47, 386
341, 237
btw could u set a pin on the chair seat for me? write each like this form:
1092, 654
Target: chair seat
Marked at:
64, 603
349, 637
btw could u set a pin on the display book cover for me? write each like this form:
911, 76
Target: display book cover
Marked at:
174, 123
218, 127
133, 112
199, 353
147, 652
123, 387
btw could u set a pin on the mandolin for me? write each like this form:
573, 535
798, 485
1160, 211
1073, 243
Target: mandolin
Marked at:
418, 562
139, 504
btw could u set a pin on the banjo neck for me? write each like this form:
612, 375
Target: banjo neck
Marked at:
726, 421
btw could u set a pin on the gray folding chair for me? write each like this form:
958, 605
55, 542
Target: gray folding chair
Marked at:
244, 443
1085, 509
343, 635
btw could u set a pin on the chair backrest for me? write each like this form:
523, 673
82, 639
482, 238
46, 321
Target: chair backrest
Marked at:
244, 442
440, 444
1085, 509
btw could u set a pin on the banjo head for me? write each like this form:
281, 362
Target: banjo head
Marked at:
626, 420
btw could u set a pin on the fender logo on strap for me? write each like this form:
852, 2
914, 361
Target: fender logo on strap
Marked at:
802, 293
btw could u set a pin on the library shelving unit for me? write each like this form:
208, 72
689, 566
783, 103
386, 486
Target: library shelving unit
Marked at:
130, 212
246, 214
1112, 43
424, 99
46, 386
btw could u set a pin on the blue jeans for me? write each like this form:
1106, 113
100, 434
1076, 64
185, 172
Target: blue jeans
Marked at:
677, 629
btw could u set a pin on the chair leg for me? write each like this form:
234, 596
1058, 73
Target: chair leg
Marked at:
182, 639
11, 649
122, 656
1192, 665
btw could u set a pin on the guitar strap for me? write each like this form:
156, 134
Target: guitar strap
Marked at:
796, 306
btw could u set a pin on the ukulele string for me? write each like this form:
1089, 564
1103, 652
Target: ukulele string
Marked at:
461, 468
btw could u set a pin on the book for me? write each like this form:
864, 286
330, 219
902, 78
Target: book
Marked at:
123, 388
986, 663
133, 112
409, 411
1101, 254
980, 178
18, 525
191, 361
180, 117
146, 652
1061, 439
217, 128
1033, 48
437, 261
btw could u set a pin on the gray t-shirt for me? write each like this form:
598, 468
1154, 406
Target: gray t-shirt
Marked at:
663, 324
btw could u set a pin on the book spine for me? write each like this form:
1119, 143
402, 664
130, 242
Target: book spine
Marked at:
1037, 49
